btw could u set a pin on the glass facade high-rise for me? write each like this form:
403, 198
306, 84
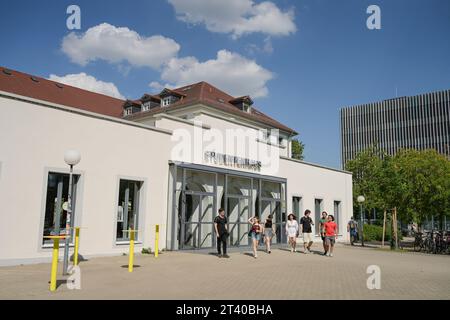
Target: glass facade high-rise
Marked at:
419, 122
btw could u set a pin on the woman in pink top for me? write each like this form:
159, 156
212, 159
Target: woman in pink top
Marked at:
331, 234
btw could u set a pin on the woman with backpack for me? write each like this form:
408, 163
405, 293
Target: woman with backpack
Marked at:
352, 228
255, 234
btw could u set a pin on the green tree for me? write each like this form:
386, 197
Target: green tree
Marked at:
417, 183
425, 184
367, 174
298, 148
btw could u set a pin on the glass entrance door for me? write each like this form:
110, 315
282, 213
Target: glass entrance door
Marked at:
197, 230
238, 215
273, 207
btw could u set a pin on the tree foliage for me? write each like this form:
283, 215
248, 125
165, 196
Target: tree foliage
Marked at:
416, 182
298, 148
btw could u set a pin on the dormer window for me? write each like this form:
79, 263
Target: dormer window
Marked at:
243, 103
246, 107
169, 97
166, 101
131, 106
146, 106
128, 111
149, 101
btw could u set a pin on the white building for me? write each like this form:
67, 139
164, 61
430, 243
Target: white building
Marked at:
164, 159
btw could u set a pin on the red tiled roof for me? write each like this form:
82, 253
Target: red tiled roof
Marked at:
43, 89
209, 95
50, 91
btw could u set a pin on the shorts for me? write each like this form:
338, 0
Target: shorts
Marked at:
268, 233
256, 236
330, 240
307, 237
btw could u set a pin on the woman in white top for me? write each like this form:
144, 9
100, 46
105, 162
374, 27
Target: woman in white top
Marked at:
292, 231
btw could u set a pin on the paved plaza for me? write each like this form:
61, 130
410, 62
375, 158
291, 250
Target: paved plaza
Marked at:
280, 275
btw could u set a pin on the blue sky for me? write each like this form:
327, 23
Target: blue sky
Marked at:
301, 72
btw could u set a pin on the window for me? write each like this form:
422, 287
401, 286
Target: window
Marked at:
128, 111
166, 101
297, 206
128, 209
337, 212
318, 208
146, 106
56, 195
246, 107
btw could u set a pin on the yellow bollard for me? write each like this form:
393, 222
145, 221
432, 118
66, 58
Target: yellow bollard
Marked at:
77, 243
157, 241
131, 258
54, 264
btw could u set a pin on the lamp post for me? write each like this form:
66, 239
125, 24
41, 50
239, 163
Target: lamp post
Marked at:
361, 200
72, 158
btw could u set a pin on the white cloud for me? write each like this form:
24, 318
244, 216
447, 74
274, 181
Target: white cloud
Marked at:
118, 45
237, 17
87, 82
156, 86
267, 48
230, 72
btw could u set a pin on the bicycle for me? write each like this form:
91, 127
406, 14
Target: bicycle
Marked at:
429, 244
418, 241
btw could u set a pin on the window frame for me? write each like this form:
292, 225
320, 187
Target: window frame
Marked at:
140, 236
300, 205
337, 218
128, 111
77, 214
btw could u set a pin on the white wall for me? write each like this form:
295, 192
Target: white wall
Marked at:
33, 139
311, 182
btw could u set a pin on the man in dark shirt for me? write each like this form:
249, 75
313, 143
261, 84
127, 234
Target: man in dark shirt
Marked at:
220, 225
306, 223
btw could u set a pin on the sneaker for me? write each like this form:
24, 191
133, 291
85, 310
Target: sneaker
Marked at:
309, 251
255, 256
325, 253
225, 256
295, 250
292, 249
270, 252
219, 255
331, 254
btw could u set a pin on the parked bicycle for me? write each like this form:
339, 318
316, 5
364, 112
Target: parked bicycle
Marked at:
432, 242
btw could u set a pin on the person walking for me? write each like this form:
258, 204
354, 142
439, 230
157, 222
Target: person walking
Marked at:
292, 231
352, 228
322, 222
220, 225
269, 232
306, 224
255, 234
331, 234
